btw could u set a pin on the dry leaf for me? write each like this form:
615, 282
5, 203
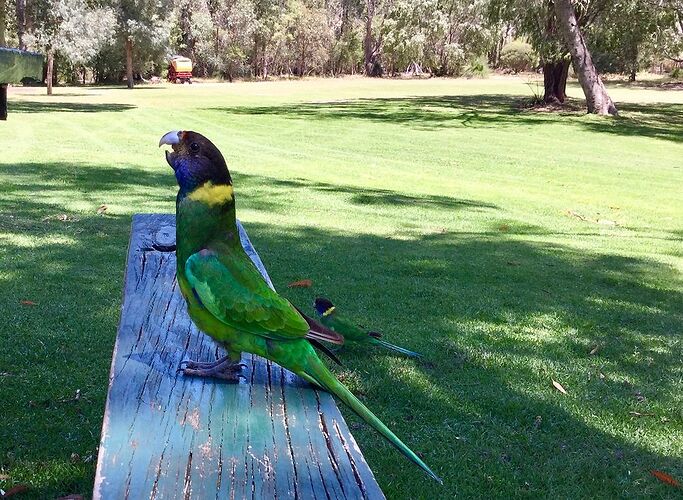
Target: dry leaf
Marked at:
594, 350
15, 490
576, 214
29, 303
504, 228
4, 477
559, 387
665, 478
301, 284
639, 414
101, 209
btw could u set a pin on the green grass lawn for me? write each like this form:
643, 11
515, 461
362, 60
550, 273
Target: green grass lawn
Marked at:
506, 245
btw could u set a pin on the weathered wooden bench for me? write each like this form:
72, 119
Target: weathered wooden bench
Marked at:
166, 435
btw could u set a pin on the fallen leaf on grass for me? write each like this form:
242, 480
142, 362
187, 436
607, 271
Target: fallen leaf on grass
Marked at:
559, 387
602, 222
301, 284
504, 228
571, 213
665, 478
14, 490
29, 303
101, 209
639, 414
60, 217
594, 350
4, 477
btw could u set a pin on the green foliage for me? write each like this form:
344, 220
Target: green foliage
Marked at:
260, 38
677, 72
75, 31
518, 56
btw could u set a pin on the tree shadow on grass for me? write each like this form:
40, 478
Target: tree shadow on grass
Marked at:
25, 106
658, 120
364, 196
659, 84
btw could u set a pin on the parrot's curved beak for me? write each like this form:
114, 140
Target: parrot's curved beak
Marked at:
172, 139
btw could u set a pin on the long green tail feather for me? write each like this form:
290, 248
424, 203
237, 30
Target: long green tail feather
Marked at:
396, 348
320, 373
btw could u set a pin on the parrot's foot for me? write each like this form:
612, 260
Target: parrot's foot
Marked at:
224, 369
203, 364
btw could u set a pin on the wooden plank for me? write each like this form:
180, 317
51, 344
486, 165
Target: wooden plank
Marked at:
18, 64
169, 436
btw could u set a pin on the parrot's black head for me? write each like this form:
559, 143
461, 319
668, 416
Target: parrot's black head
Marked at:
323, 306
195, 160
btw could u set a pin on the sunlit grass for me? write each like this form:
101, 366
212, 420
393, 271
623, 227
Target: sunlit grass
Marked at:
505, 245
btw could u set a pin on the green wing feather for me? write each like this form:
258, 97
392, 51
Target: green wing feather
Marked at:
232, 290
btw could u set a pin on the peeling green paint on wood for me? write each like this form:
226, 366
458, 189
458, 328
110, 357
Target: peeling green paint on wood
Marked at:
169, 436
18, 64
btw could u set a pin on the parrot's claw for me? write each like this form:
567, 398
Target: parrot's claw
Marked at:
186, 363
224, 370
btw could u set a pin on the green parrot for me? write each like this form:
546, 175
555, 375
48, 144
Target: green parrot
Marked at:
329, 316
227, 298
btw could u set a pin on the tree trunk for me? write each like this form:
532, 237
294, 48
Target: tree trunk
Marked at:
2, 22
555, 81
597, 98
129, 61
21, 22
50, 68
367, 43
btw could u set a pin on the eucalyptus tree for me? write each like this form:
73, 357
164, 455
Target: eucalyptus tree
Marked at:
142, 29
71, 28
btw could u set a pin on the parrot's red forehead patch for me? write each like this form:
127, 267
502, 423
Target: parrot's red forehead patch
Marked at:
181, 135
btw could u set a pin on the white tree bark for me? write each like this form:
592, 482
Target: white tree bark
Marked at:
50, 69
597, 98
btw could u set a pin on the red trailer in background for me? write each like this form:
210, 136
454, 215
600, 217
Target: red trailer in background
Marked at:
180, 70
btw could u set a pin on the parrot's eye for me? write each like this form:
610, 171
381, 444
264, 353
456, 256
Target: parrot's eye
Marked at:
194, 147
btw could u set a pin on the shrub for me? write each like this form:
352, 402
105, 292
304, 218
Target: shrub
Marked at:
518, 56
